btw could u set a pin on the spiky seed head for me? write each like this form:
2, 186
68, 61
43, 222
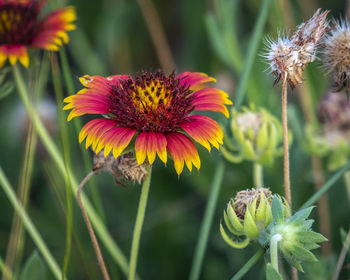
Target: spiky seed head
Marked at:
336, 55
124, 166
289, 57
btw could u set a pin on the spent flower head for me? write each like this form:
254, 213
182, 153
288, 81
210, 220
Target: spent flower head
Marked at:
288, 57
247, 215
336, 54
257, 136
125, 166
21, 27
154, 109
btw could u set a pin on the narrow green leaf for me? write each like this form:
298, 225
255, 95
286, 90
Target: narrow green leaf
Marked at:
302, 254
301, 215
272, 273
277, 210
235, 221
229, 241
34, 268
250, 227
310, 237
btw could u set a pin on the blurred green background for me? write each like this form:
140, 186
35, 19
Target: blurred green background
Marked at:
111, 38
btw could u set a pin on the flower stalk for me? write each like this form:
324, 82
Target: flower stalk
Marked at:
274, 250
138, 225
258, 175
90, 229
286, 170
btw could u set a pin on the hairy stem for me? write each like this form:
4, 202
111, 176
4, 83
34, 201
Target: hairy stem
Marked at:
138, 225
285, 142
90, 229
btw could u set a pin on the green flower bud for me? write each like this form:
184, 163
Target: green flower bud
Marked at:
248, 214
257, 136
296, 237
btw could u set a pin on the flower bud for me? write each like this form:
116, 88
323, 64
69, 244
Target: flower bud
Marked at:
257, 136
247, 215
296, 237
124, 166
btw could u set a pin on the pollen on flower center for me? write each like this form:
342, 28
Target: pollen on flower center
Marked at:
18, 23
151, 102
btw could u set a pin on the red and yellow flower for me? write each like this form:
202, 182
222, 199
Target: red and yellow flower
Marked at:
156, 110
21, 26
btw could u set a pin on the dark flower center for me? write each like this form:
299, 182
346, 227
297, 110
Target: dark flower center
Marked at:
151, 102
18, 23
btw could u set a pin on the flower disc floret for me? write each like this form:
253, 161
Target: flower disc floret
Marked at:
21, 26
157, 109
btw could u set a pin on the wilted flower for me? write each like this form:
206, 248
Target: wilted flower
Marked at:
124, 166
247, 215
331, 137
294, 234
21, 26
336, 55
155, 108
257, 136
289, 57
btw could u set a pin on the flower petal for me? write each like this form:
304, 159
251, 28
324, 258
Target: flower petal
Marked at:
52, 30
181, 148
193, 79
94, 130
204, 130
148, 144
87, 103
213, 107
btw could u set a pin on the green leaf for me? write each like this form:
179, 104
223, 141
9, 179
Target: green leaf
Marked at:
272, 273
301, 215
262, 138
311, 246
308, 224
34, 268
277, 210
249, 224
302, 254
292, 261
310, 237
229, 241
264, 238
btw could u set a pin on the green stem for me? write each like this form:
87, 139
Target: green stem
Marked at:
101, 230
33, 232
95, 195
258, 175
5, 270
274, 250
207, 221
248, 265
57, 82
326, 186
347, 183
138, 225
252, 52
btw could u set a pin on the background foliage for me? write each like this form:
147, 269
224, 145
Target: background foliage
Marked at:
111, 38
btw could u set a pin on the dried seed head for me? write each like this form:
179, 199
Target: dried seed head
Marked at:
336, 55
125, 166
334, 111
243, 198
289, 57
